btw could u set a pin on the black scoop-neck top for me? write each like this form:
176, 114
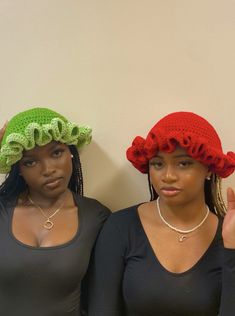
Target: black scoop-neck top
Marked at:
46, 281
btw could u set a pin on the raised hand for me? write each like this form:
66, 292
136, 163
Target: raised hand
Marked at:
2, 131
228, 230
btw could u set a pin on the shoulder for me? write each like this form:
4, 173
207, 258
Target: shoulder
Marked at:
123, 228
91, 208
124, 219
6, 204
125, 214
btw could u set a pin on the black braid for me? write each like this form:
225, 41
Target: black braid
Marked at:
153, 193
13, 185
76, 180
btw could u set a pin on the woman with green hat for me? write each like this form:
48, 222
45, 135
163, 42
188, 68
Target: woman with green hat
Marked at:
47, 227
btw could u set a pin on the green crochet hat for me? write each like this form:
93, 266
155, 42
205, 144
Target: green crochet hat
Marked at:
38, 126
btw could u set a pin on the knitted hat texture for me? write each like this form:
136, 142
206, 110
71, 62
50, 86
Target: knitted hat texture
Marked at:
38, 127
189, 131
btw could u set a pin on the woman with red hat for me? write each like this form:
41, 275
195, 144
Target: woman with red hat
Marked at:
174, 255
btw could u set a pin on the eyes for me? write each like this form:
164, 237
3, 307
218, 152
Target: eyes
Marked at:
159, 164
57, 153
31, 162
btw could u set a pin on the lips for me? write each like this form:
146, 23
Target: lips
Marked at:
170, 191
52, 182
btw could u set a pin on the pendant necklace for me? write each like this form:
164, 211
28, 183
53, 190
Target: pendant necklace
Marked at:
183, 233
48, 224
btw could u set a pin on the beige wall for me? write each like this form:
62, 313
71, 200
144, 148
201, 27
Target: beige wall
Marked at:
119, 66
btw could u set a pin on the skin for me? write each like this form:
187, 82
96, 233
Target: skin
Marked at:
47, 171
179, 181
2, 131
228, 231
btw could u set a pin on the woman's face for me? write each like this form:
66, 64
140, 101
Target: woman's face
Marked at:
177, 178
47, 169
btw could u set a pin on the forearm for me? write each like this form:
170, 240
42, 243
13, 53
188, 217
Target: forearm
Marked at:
227, 306
105, 285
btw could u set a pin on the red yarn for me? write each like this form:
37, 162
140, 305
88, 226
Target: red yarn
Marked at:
189, 131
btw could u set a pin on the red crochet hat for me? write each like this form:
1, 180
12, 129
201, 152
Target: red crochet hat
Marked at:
189, 131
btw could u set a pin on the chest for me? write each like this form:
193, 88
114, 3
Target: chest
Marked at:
177, 254
150, 289
36, 229
62, 263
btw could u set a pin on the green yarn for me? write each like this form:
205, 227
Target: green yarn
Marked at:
38, 127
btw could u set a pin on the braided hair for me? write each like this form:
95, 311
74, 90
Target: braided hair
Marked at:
76, 180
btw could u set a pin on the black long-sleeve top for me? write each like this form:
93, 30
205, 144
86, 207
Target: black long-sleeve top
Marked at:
128, 280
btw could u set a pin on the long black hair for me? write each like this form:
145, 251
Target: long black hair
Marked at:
212, 191
14, 184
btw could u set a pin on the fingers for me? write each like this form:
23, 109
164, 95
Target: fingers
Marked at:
2, 131
231, 199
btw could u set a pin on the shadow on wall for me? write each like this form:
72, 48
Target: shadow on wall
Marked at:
117, 186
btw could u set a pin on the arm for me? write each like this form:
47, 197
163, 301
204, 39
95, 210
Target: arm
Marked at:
98, 215
227, 306
84, 293
105, 285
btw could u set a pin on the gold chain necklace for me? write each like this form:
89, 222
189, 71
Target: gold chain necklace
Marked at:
183, 233
48, 224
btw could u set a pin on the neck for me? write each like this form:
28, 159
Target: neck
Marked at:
47, 202
183, 213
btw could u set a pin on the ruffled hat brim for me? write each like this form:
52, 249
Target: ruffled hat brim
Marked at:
16, 139
201, 143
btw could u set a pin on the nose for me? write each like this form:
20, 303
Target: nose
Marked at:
169, 175
48, 167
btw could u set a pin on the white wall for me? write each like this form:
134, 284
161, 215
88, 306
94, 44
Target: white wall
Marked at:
119, 66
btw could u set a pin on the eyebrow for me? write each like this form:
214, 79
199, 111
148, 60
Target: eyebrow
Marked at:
176, 156
26, 154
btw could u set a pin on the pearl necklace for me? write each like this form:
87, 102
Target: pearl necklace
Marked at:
183, 232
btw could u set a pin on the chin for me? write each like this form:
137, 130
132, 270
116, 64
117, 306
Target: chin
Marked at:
173, 200
56, 192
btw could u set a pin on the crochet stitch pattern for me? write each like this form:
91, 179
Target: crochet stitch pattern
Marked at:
38, 127
189, 131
